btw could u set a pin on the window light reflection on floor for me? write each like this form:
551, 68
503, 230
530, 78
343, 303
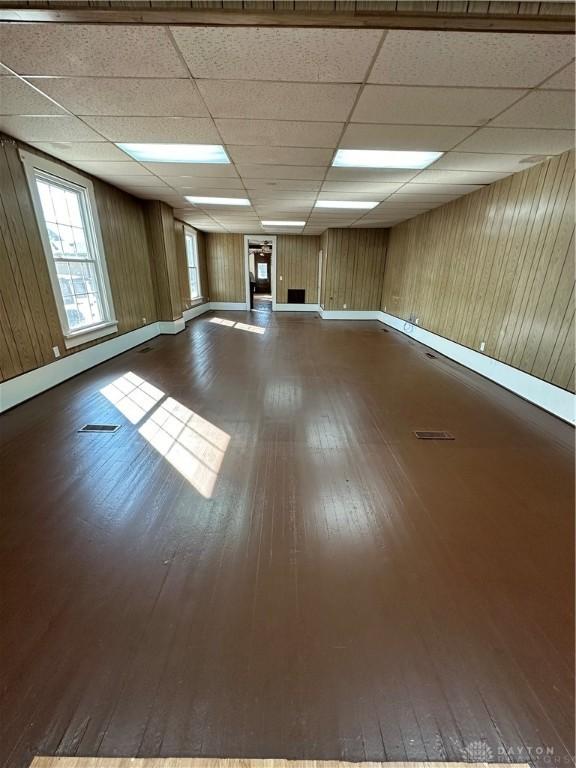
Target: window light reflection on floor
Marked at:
192, 445
132, 396
240, 326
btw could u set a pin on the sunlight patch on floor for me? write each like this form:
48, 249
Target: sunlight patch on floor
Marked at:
132, 396
239, 326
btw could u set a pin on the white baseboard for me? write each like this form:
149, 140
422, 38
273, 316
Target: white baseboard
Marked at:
547, 396
349, 314
199, 309
171, 326
228, 305
297, 308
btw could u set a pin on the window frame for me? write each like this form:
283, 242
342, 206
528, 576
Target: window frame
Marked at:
192, 233
37, 168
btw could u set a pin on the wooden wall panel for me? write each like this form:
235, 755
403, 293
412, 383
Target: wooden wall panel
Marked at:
353, 268
29, 324
225, 266
496, 266
161, 237
297, 264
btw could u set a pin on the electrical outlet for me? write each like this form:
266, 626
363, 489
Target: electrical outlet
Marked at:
417, 320
143, 321
482, 346
343, 306
280, 277
384, 307
56, 351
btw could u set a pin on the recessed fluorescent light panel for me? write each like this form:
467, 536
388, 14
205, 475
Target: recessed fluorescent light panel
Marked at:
176, 153
380, 158
346, 204
218, 200
283, 223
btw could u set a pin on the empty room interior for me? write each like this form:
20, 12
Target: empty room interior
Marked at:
287, 367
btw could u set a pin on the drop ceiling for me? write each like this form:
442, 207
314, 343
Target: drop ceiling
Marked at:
281, 101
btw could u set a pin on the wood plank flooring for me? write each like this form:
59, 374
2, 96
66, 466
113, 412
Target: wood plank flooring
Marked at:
268, 564
200, 762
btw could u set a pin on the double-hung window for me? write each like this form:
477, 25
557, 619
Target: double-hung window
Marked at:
66, 211
192, 264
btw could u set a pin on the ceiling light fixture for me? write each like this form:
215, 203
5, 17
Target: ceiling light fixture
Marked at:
283, 223
176, 153
218, 200
383, 158
345, 204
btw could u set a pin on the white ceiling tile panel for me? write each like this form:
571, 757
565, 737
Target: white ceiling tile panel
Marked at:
192, 170
73, 50
514, 140
280, 155
503, 60
434, 176
278, 101
93, 151
129, 168
124, 96
19, 98
283, 184
194, 184
431, 106
563, 79
472, 161
370, 174
50, 128
414, 187
281, 172
419, 137
4, 71
361, 187
279, 133
136, 181
541, 109
259, 53
184, 130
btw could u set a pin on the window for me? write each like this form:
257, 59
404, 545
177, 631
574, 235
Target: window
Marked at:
192, 264
262, 270
66, 211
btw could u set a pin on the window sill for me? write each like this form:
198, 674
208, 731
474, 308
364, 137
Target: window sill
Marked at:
197, 302
90, 334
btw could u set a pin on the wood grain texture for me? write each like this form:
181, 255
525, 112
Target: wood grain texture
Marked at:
297, 264
347, 592
496, 266
162, 242
225, 266
354, 263
29, 324
215, 762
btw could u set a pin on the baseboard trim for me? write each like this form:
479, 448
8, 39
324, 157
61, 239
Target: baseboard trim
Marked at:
547, 396
228, 305
199, 309
349, 314
297, 308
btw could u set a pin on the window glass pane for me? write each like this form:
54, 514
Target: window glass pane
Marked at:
80, 242
73, 204
262, 271
194, 285
46, 200
191, 250
67, 241
60, 206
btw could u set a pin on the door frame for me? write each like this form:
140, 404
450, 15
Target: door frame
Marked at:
247, 239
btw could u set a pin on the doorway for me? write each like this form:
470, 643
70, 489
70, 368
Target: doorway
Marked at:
260, 252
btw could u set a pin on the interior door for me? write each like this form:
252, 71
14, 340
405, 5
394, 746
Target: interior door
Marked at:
262, 264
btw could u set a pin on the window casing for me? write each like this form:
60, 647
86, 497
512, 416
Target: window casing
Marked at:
192, 264
65, 208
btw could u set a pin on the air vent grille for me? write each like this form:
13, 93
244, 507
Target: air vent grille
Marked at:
100, 428
423, 434
143, 350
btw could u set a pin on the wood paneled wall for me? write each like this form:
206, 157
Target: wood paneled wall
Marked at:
29, 325
353, 268
225, 265
179, 234
162, 240
297, 265
496, 266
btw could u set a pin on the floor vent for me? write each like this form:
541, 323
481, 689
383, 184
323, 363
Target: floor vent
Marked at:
430, 355
100, 428
144, 349
433, 435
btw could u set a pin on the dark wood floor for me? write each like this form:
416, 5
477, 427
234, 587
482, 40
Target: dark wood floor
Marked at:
343, 591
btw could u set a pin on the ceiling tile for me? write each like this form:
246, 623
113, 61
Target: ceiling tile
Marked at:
258, 53
419, 137
541, 109
19, 98
279, 133
188, 130
52, 128
503, 60
192, 170
124, 96
191, 184
128, 168
361, 187
433, 176
369, 174
439, 189
563, 79
515, 140
82, 151
280, 155
284, 184
4, 71
431, 106
75, 50
282, 101
134, 181
471, 161
281, 172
